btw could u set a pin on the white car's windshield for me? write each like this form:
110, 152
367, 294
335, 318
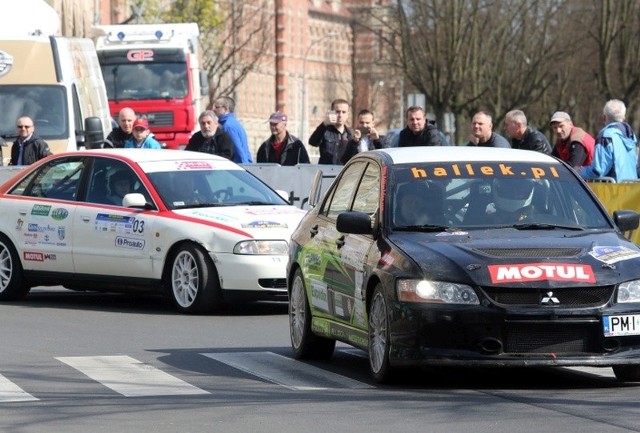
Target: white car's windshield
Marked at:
202, 188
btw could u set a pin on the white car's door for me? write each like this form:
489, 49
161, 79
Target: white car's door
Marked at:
114, 241
111, 239
39, 212
43, 233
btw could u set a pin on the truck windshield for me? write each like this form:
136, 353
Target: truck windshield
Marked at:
46, 105
135, 81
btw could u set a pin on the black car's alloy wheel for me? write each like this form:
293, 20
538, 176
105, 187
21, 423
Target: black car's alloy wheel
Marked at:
305, 344
379, 343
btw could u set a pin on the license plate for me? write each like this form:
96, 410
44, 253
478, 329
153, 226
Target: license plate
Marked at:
615, 326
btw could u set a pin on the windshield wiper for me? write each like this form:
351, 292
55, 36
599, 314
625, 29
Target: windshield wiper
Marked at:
198, 205
545, 226
423, 228
251, 203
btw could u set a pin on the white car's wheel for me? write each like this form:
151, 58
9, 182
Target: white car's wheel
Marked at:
12, 286
379, 341
305, 344
193, 281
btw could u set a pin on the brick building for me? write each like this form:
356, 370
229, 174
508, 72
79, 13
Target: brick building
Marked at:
321, 50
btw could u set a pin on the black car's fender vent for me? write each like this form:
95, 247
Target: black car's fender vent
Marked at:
551, 338
531, 252
566, 297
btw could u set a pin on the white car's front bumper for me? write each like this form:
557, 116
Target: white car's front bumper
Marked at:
251, 272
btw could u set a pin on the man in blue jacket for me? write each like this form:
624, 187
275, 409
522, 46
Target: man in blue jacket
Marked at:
223, 107
615, 149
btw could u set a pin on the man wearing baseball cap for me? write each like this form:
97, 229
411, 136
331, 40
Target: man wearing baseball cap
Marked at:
282, 147
142, 138
573, 145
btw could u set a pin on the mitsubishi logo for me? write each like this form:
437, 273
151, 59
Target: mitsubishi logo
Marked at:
549, 299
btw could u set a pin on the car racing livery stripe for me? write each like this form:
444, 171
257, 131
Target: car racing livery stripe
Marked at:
328, 328
174, 216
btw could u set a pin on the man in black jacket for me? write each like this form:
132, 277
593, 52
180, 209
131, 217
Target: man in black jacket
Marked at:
124, 130
524, 136
28, 147
211, 138
419, 131
282, 147
332, 136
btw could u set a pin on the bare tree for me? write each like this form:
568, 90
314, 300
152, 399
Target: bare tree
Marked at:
466, 55
234, 47
617, 35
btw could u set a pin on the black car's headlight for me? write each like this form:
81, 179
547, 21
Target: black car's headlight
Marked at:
629, 292
261, 247
438, 292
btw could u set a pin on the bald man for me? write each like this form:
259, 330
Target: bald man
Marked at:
482, 133
124, 130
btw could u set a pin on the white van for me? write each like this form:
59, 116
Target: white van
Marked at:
57, 82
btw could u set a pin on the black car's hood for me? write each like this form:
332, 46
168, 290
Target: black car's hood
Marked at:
508, 257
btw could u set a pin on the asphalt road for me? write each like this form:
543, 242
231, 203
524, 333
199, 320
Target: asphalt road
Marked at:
80, 362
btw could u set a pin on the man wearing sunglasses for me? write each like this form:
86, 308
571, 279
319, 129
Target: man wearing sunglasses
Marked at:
28, 148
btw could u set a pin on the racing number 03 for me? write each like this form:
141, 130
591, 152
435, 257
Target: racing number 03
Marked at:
137, 226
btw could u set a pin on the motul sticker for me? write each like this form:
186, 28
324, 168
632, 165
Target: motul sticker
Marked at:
541, 272
33, 256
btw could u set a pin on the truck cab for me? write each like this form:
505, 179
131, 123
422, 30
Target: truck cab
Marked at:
58, 83
155, 69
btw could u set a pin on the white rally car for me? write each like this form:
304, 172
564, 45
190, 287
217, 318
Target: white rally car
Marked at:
195, 226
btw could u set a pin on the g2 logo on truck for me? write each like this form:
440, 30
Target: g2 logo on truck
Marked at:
140, 55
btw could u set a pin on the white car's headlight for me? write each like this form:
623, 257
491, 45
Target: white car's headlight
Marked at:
629, 292
437, 292
261, 247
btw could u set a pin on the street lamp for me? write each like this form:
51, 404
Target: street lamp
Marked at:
303, 99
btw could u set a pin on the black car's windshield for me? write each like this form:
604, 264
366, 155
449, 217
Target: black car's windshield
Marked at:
491, 195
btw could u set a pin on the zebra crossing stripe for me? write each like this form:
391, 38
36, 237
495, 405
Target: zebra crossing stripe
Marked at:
130, 377
285, 371
9, 391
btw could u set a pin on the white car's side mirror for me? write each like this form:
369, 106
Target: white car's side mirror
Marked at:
134, 199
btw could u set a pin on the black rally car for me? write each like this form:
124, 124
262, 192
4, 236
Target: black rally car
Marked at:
465, 256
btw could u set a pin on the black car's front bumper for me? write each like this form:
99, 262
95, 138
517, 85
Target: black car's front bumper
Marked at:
490, 336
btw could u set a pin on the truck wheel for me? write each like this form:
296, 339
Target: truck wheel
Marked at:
305, 344
12, 285
193, 281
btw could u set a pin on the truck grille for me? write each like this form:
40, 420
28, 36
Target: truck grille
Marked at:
159, 118
156, 118
567, 297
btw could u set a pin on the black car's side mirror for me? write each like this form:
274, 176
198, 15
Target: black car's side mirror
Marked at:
627, 221
357, 223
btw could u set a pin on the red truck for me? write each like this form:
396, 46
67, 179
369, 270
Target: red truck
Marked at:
156, 69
